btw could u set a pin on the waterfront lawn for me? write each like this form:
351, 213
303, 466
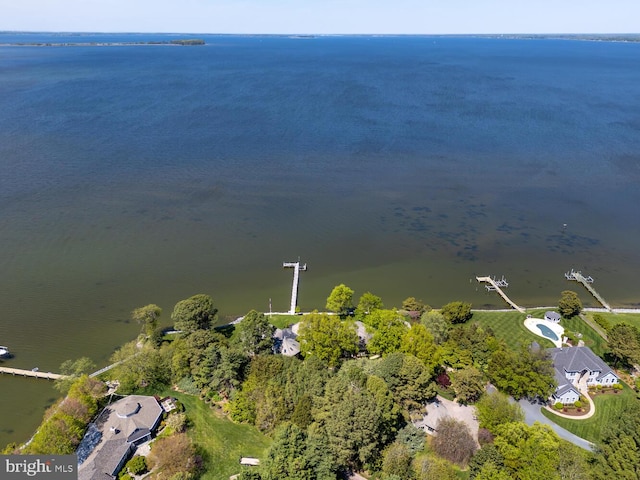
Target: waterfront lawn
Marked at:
589, 336
615, 318
509, 326
608, 407
283, 321
220, 441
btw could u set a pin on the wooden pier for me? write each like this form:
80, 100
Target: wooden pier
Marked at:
31, 373
587, 281
296, 278
494, 285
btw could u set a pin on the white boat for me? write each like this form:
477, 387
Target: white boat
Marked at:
4, 351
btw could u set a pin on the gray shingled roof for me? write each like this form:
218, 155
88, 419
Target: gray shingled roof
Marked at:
564, 384
577, 359
121, 422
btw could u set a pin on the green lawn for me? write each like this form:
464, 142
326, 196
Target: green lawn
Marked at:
283, 321
509, 326
614, 318
608, 407
221, 441
589, 336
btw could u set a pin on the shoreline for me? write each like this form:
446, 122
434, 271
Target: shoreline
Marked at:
168, 43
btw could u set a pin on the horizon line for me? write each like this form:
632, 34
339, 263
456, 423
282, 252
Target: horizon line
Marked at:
370, 34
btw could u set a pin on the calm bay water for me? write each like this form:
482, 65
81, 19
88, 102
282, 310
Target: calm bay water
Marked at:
405, 166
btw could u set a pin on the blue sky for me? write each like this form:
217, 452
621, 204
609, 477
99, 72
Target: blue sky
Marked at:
323, 16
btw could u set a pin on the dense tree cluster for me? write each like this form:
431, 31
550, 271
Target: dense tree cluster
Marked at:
620, 449
327, 338
624, 343
66, 421
347, 404
524, 374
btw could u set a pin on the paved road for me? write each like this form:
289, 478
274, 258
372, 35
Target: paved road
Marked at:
533, 414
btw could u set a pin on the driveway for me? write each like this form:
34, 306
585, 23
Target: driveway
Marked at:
533, 414
443, 408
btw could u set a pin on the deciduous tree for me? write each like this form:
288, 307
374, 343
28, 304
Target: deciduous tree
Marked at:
437, 325
255, 334
72, 371
457, 312
327, 338
147, 316
418, 342
340, 300
388, 337
174, 454
433, 468
468, 384
453, 441
411, 304
522, 374
368, 303
529, 452
495, 409
194, 313
624, 343
396, 460
569, 304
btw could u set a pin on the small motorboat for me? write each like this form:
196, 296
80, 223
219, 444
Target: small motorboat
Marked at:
4, 351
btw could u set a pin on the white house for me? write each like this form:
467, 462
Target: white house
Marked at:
576, 368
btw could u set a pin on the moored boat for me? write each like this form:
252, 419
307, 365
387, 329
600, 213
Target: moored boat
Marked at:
4, 351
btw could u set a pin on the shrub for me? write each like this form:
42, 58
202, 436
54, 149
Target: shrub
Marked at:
484, 436
603, 322
617, 386
558, 406
578, 404
598, 387
177, 422
187, 385
443, 380
137, 465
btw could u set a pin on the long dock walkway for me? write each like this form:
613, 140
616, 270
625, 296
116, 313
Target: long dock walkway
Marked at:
296, 278
497, 288
31, 373
587, 281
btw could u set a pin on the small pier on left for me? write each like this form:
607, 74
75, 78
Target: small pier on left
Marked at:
35, 373
495, 285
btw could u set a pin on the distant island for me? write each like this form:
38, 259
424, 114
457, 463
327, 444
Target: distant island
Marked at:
590, 37
183, 42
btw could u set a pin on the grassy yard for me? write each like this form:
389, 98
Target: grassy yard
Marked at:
221, 441
589, 336
509, 326
283, 321
614, 318
608, 407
